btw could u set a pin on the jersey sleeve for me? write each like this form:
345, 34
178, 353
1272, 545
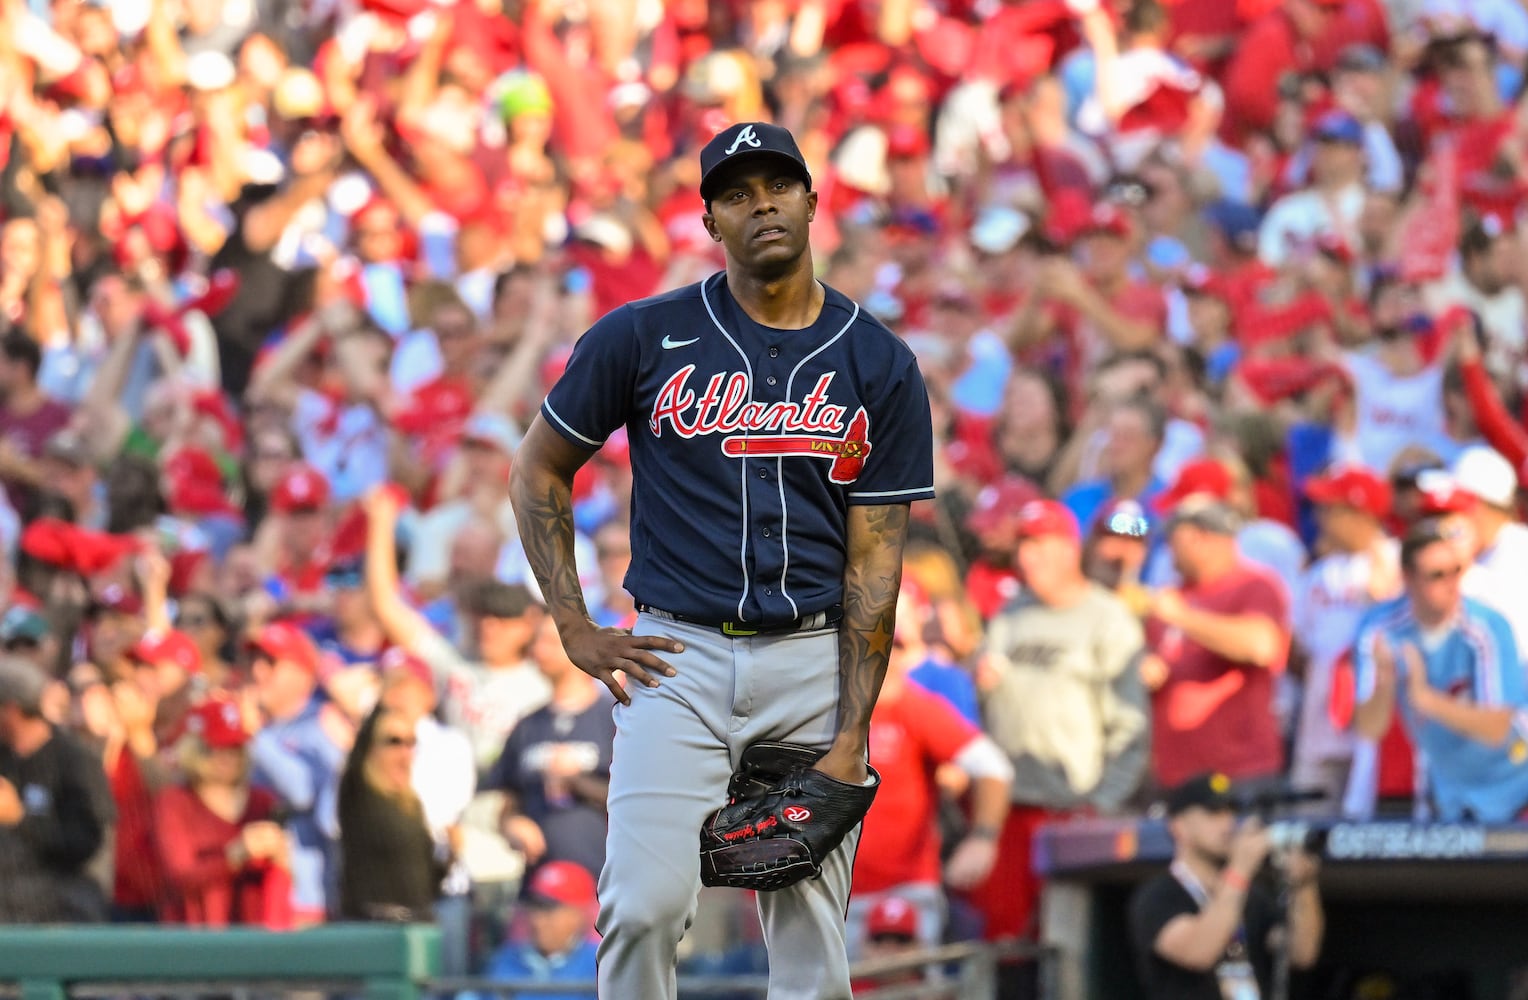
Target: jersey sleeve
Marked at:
900, 465
593, 397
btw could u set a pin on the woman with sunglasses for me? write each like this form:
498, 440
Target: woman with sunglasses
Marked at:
390, 868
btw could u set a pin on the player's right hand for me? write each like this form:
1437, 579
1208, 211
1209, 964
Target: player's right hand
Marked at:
601, 652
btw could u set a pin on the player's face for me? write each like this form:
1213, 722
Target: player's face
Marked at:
762, 213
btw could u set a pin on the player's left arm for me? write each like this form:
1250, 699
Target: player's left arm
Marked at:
876, 536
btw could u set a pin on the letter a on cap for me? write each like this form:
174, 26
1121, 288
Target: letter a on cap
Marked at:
745, 137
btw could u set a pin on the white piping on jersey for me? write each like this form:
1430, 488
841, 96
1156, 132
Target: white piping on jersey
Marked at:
568, 427
785, 538
892, 493
742, 466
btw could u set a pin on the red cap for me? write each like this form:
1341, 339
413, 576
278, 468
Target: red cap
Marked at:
906, 142
168, 647
1107, 218
1441, 494
406, 663
997, 504
194, 484
892, 915
218, 724
1200, 280
1352, 486
301, 488
1048, 517
563, 882
285, 641
1201, 476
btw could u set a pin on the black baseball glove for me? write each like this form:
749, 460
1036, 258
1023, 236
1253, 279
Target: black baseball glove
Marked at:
782, 821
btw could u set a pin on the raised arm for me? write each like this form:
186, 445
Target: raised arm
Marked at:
876, 536
541, 490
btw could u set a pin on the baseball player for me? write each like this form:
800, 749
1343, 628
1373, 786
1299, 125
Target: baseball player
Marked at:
778, 435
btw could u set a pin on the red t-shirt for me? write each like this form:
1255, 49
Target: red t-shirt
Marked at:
137, 878
1213, 714
30, 433
910, 736
203, 891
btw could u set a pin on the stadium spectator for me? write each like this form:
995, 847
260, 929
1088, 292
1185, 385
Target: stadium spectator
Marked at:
223, 850
390, 868
54, 809
1500, 561
555, 766
1135, 431
1359, 569
444, 778
298, 753
1449, 664
557, 945
1217, 645
1062, 695
914, 733
486, 698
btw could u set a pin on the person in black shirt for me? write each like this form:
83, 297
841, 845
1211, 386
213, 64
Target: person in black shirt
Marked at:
391, 868
1202, 931
55, 808
555, 768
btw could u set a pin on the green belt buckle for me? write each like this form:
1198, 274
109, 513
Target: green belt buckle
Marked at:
730, 629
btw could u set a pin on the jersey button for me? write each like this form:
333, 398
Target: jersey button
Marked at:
766, 532
774, 352
771, 380
769, 592
763, 474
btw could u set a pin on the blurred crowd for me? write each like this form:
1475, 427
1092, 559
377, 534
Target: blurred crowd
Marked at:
1221, 308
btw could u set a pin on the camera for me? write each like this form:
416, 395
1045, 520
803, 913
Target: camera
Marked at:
1288, 836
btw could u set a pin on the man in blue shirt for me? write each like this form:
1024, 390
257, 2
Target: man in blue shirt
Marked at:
299, 755
558, 947
1135, 431
1450, 665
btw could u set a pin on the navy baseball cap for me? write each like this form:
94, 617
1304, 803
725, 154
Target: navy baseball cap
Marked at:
1237, 222
746, 141
1338, 126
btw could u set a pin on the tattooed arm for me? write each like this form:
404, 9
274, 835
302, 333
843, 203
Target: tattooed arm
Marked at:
872, 577
541, 490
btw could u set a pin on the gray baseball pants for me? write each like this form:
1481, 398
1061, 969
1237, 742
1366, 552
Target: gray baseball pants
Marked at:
676, 746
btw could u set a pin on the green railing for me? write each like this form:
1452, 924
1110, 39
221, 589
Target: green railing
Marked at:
377, 961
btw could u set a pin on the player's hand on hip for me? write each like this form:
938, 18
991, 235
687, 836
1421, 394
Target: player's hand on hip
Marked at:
602, 652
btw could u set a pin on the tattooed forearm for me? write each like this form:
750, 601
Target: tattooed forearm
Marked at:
546, 532
541, 490
872, 577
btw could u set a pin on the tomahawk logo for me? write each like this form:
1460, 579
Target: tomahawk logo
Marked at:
812, 428
744, 138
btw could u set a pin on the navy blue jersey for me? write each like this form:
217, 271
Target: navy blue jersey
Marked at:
748, 444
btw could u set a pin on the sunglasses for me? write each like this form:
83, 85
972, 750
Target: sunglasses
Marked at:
398, 741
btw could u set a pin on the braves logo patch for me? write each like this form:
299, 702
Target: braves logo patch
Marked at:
812, 428
796, 814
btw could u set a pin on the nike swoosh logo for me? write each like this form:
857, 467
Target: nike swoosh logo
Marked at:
669, 343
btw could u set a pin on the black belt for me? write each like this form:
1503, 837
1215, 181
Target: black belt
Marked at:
806, 623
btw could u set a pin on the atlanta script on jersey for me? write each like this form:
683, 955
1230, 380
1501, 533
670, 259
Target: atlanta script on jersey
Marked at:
747, 444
